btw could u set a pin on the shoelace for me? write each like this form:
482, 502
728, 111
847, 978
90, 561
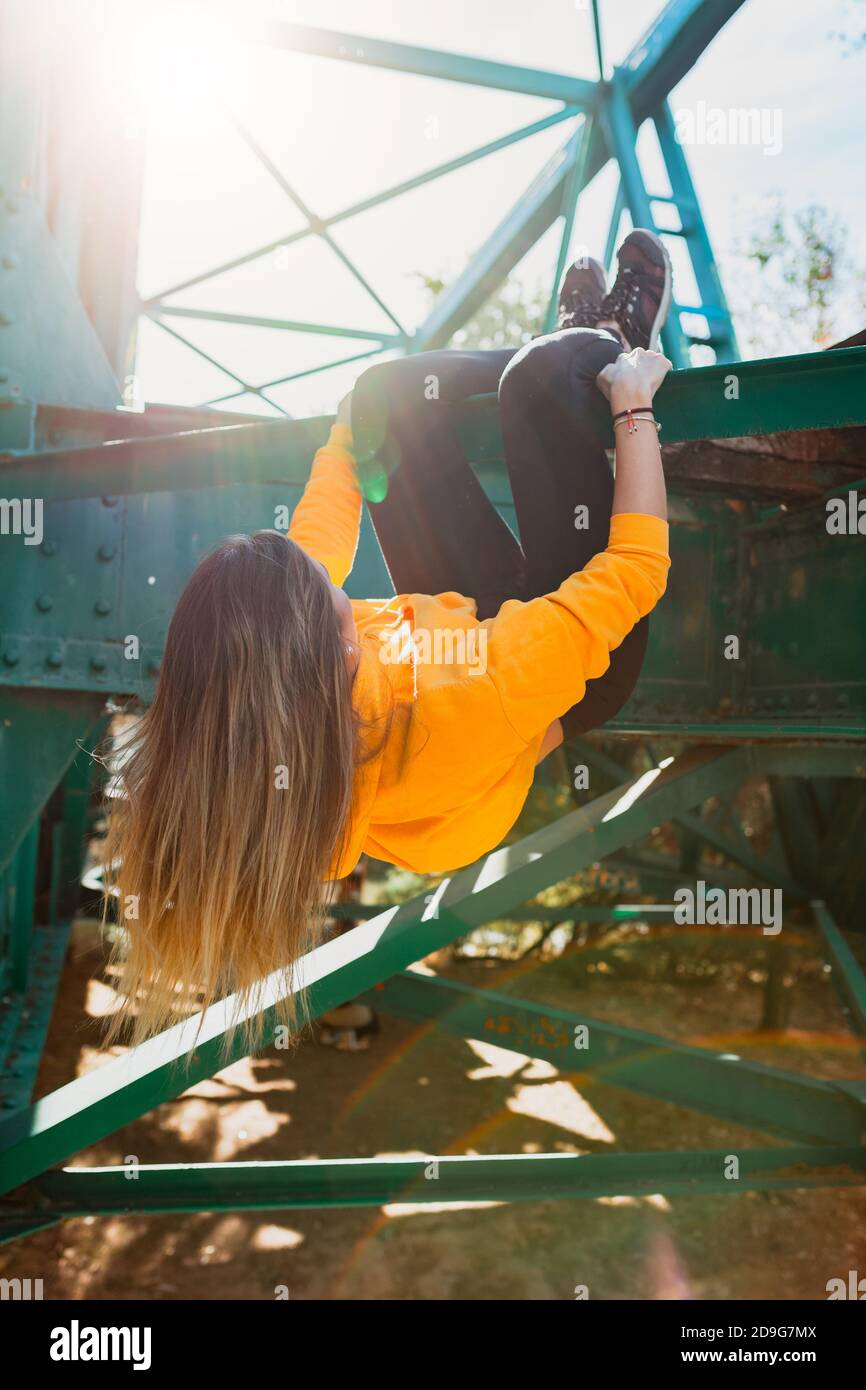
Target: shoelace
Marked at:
622, 304
577, 312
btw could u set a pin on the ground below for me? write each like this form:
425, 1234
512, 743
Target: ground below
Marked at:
418, 1091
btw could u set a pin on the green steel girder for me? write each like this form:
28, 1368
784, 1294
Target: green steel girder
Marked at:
805, 392
848, 975
374, 1182
97, 576
25, 1015
713, 1082
696, 236
621, 135
39, 733
670, 48
425, 62
16, 914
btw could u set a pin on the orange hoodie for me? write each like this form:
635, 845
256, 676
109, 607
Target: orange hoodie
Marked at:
470, 701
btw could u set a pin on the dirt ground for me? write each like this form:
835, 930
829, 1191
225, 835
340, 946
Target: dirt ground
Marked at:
417, 1091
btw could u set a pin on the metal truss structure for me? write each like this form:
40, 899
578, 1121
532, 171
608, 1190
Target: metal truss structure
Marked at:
602, 120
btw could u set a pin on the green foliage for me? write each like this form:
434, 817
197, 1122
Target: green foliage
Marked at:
792, 278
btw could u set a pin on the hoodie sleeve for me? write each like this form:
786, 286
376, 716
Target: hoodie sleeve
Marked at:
327, 519
540, 654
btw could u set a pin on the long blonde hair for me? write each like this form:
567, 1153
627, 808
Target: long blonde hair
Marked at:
234, 788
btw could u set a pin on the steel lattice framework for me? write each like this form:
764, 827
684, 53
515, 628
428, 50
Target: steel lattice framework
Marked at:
602, 119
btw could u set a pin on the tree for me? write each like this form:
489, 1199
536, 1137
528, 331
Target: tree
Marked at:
791, 279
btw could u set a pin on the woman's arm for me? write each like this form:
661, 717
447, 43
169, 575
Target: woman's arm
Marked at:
327, 519
629, 383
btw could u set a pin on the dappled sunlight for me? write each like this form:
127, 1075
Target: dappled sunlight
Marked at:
655, 1200
398, 1209
501, 1061
274, 1237
100, 999
558, 1103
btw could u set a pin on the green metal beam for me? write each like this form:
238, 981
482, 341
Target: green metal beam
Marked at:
621, 134
25, 1017
810, 391
712, 1082
375, 1182
810, 735
39, 734
571, 192
848, 976
22, 896
423, 62
670, 48
713, 302
159, 310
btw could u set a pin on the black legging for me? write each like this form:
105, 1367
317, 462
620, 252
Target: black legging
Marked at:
436, 526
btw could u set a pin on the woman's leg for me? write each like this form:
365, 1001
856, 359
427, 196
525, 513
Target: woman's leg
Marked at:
437, 528
552, 413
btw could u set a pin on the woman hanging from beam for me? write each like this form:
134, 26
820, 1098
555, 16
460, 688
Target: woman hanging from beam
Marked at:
294, 729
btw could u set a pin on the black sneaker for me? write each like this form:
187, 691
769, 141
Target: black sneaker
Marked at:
582, 295
641, 296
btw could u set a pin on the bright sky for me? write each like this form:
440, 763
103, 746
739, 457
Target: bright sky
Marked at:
338, 132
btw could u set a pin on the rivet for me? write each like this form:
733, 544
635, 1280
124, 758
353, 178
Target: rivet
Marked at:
45, 603
55, 657
102, 606
6, 319
153, 668
10, 261
48, 547
11, 656
813, 699
106, 552
98, 663
109, 501
842, 700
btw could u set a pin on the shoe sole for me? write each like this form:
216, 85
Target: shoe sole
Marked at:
667, 293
